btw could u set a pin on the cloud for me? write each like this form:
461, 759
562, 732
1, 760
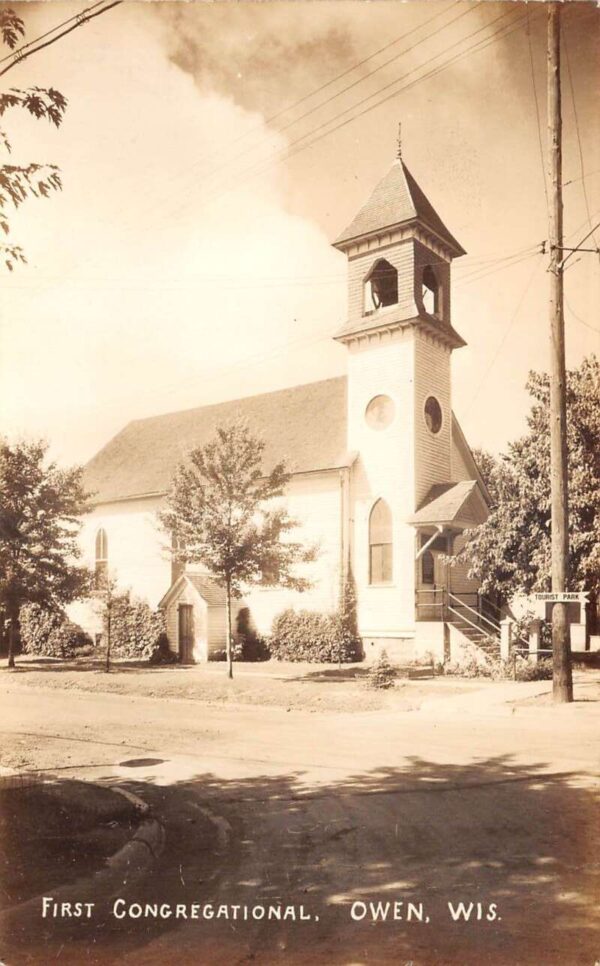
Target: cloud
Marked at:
261, 55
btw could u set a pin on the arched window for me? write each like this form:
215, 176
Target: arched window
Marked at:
427, 568
381, 286
101, 569
380, 544
431, 292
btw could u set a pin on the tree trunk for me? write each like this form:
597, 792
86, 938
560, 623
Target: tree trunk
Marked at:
107, 668
12, 638
228, 630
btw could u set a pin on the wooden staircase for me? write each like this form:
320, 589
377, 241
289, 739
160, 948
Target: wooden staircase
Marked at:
479, 625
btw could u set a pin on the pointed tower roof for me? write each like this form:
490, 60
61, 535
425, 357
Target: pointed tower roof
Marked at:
396, 200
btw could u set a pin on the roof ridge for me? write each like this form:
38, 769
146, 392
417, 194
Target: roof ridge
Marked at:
237, 399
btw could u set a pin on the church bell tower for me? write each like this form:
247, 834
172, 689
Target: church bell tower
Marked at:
399, 337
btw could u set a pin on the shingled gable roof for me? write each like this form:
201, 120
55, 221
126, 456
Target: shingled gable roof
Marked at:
397, 199
448, 503
304, 425
209, 590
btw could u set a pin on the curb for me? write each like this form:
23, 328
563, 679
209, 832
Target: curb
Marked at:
124, 870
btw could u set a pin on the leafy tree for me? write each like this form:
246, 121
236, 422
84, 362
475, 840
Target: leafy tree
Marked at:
221, 513
511, 552
487, 465
40, 519
19, 182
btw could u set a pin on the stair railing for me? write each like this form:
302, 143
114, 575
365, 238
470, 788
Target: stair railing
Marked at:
480, 617
477, 627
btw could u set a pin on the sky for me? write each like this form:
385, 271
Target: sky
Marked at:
209, 157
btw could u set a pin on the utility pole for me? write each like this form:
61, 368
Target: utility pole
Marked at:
562, 681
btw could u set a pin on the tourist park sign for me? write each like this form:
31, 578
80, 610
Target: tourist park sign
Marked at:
562, 598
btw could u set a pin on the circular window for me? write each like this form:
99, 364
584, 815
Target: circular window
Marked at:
380, 412
433, 414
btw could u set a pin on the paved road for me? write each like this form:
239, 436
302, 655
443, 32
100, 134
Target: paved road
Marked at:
325, 814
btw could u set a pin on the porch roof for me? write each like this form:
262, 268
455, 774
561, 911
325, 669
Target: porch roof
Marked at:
451, 504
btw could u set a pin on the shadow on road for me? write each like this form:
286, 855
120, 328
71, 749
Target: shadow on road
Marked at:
491, 832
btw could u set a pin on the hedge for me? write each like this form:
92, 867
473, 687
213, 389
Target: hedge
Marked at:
137, 631
311, 636
50, 633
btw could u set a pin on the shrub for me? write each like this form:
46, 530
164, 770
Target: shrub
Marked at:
534, 670
250, 646
469, 668
220, 653
310, 636
381, 674
521, 670
136, 631
162, 653
50, 633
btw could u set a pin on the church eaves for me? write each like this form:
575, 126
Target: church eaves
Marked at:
397, 200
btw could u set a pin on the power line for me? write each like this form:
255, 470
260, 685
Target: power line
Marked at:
584, 239
305, 97
361, 80
28, 49
218, 170
590, 174
479, 46
29, 43
474, 266
583, 322
295, 146
288, 152
537, 109
581, 164
494, 271
505, 336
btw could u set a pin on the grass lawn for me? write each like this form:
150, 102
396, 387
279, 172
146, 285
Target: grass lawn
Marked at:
313, 687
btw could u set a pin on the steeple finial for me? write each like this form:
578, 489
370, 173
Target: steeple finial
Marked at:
399, 142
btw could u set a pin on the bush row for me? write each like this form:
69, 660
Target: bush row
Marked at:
137, 631
311, 636
497, 670
50, 633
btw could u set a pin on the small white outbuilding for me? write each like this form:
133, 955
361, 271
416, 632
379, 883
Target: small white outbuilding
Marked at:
194, 609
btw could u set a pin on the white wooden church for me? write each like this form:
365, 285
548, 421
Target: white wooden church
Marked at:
383, 479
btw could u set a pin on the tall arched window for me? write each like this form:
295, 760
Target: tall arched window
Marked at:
101, 569
427, 568
380, 544
381, 286
431, 292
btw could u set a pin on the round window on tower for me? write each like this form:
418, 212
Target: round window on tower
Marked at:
433, 414
380, 412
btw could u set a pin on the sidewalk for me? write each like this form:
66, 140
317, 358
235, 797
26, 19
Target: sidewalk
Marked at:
522, 698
